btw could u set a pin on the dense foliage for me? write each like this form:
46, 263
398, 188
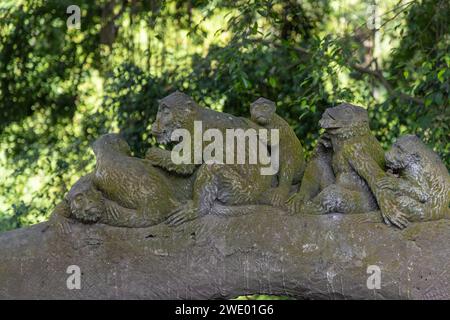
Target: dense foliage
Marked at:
61, 87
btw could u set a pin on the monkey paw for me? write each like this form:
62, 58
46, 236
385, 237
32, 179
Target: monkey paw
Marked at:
391, 214
112, 211
313, 207
294, 204
62, 226
182, 214
278, 197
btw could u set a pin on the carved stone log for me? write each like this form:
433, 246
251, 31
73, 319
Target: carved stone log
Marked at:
267, 252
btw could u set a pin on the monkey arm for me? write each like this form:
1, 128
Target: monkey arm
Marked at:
286, 173
279, 195
118, 216
288, 165
363, 162
286, 176
413, 190
162, 158
403, 186
417, 189
60, 218
365, 165
251, 124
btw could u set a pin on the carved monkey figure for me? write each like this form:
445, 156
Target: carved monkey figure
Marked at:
86, 204
225, 184
290, 149
122, 191
357, 163
131, 182
422, 190
318, 175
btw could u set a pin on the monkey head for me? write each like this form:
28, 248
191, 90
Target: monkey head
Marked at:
404, 152
85, 202
344, 119
262, 110
175, 111
111, 142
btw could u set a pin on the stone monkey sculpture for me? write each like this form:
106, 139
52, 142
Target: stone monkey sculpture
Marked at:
86, 204
422, 190
345, 174
358, 164
318, 175
226, 184
290, 150
131, 182
179, 111
123, 190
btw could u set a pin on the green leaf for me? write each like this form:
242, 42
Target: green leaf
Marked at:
273, 81
255, 28
245, 82
440, 75
438, 98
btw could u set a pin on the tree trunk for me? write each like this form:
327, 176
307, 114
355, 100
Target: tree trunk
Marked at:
265, 252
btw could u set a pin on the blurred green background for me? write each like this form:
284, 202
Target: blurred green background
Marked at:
61, 87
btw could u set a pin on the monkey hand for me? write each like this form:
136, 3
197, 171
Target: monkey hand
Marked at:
60, 218
294, 204
155, 155
62, 224
182, 214
390, 212
162, 158
112, 210
278, 196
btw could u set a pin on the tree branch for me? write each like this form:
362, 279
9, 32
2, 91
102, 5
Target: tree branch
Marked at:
306, 257
378, 75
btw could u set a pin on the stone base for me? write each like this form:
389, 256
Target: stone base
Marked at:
265, 252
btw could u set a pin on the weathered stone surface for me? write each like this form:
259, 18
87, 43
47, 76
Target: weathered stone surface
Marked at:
302, 256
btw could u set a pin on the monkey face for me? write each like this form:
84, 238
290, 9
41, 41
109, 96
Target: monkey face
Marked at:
261, 114
162, 128
343, 117
86, 206
401, 154
175, 111
85, 201
335, 119
261, 111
